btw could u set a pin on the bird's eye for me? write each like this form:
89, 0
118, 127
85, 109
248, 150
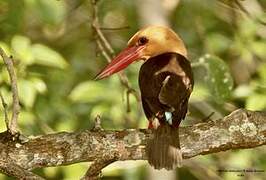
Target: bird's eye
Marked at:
142, 40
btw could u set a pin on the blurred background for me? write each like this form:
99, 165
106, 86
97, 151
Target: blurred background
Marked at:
57, 57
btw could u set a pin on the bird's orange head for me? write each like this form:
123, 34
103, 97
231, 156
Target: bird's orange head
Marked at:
146, 43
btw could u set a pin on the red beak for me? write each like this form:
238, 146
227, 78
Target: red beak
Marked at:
121, 61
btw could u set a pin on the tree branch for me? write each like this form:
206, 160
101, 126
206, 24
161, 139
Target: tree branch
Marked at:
241, 129
12, 125
14, 170
94, 171
5, 109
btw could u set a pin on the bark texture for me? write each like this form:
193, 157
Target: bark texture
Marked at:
241, 129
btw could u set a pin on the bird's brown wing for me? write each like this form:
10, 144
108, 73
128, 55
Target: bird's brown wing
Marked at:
147, 108
166, 83
174, 94
173, 91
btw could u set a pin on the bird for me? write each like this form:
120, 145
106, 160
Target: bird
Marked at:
165, 82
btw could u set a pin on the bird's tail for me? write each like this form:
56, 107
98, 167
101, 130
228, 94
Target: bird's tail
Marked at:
163, 150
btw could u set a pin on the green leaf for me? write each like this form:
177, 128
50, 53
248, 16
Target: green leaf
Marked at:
21, 46
217, 43
74, 170
65, 125
39, 85
248, 28
48, 57
4, 77
27, 92
26, 118
256, 102
7, 96
5, 47
259, 48
262, 72
52, 12
218, 79
92, 91
199, 93
243, 91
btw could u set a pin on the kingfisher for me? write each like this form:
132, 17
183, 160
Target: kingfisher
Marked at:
165, 82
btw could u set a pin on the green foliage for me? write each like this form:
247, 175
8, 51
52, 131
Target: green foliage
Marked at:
217, 43
218, 79
28, 54
48, 57
49, 12
256, 101
21, 47
254, 93
104, 100
217, 82
89, 92
56, 58
27, 93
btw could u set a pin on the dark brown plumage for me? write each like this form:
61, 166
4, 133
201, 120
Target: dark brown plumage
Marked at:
165, 83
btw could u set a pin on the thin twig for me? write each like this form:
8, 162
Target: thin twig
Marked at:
5, 109
245, 11
122, 77
12, 126
103, 39
208, 117
107, 51
97, 123
236, 6
95, 169
113, 28
96, 27
103, 52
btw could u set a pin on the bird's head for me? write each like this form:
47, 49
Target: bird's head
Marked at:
145, 44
